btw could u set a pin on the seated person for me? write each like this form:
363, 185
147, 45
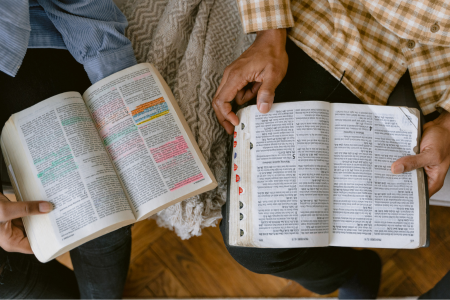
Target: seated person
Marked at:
44, 45
386, 56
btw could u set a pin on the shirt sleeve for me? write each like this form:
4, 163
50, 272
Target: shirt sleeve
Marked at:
93, 31
258, 15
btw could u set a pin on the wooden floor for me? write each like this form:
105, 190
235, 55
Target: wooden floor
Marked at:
162, 265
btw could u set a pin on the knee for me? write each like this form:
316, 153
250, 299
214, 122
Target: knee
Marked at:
265, 260
120, 238
250, 259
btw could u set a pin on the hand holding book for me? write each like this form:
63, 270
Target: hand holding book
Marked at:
257, 72
12, 232
434, 154
114, 156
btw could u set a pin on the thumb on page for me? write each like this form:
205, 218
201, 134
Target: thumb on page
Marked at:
14, 210
412, 162
266, 93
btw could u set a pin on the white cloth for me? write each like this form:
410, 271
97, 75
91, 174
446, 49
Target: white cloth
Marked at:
191, 42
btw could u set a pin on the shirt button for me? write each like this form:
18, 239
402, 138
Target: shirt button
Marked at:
411, 44
435, 28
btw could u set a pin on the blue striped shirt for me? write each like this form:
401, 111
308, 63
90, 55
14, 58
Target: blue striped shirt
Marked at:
92, 31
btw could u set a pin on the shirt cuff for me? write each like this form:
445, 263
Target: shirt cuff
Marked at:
13, 46
258, 15
110, 63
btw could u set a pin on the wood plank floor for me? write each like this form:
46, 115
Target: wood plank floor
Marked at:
162, 265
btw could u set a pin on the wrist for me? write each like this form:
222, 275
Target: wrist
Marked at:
444, 119
281, 32
275, 37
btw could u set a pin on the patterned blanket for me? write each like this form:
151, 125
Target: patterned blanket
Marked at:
191, 42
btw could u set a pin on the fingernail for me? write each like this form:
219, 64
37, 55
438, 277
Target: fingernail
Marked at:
398, 169
264, 108
45, 207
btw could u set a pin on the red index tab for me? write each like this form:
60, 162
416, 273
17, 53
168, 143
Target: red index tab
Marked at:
240, 190
234, 144
235, 167
238, 178
235, 134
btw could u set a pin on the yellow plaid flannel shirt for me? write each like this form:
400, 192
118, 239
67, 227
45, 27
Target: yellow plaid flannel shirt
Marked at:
373, 41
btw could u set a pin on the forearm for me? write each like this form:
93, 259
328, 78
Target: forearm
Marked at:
444, 119
93, 32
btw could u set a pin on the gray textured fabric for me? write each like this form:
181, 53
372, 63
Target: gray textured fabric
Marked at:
191, 42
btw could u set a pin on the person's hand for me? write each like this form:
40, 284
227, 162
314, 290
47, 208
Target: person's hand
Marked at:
12, 232
434, 154
258, 71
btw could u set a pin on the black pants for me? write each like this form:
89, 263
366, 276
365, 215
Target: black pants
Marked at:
321, 270
100, 265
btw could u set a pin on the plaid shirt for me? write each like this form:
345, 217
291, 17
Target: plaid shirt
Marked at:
373, 41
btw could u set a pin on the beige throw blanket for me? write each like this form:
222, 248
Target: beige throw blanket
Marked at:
191, 42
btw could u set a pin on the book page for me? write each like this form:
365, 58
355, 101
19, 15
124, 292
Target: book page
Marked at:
150, 149
290, 163
72, 168
371, 207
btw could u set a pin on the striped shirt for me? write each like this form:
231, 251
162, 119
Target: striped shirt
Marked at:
91, 30
373, 41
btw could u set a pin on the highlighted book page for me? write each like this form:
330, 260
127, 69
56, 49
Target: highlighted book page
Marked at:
150, 110
176, 163
149, 148
72, 168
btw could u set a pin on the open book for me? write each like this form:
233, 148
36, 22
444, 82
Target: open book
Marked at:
116, 155
313, 174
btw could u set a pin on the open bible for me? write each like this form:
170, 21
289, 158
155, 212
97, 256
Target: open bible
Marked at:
116, 155
314, 174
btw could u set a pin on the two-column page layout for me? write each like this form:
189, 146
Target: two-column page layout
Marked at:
116, 155
313, 174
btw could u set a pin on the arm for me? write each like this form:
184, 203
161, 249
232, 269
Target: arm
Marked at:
93, 31
260, 69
